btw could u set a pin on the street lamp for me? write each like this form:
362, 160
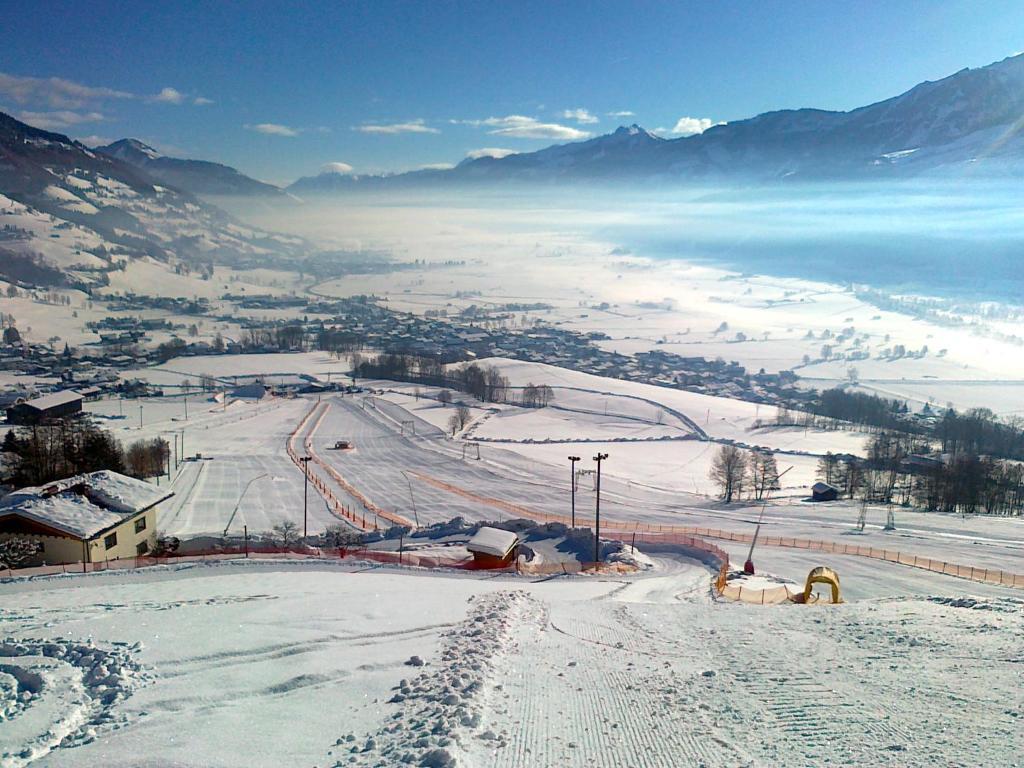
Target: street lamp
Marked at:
572, 485
597, 510
305, 494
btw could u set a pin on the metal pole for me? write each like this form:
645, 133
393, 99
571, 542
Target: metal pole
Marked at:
305, 496
572, 486
597, 510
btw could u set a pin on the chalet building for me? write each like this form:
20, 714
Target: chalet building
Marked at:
88, 518
51, 407
493, 547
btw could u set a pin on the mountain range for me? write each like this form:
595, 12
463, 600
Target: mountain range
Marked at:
970, 119
200, 177
83, 211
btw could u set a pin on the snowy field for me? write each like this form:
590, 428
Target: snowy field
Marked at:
250, 664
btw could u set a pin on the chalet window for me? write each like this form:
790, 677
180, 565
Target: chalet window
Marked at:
142, 548
111, 540
140, 525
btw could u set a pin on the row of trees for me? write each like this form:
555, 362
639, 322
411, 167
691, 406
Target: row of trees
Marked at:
893, 472
42, 454
484, 382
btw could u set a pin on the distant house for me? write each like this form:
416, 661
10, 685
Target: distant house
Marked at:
56, 405
87, 518
493, 547
824, 492
253, 391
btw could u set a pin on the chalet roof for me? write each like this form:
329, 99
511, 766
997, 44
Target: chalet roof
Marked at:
84, 505
492, 541
53, 400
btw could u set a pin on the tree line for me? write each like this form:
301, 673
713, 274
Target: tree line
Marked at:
484, 382
38, 455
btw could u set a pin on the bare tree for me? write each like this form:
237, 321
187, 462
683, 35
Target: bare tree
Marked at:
460, 418
444, 397
286, 533
764, 473
728, 468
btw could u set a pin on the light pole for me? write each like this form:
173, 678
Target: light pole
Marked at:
412, 498
239, 502
572, 486
305, 494
597, 510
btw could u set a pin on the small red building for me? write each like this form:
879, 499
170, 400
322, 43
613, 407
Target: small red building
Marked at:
493, 548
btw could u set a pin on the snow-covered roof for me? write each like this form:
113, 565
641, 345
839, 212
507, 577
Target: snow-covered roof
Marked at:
84, 505
820, 487
492, 541
54, 399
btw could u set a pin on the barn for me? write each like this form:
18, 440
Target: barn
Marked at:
89, 518
493, 547
51, 407
824, 492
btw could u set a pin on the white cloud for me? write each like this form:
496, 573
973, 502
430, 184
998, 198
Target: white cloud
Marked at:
169, 96
522, 127
95, 141
621, 113
690, 126
336, 167
272, 129
55, 92
201, 101
581, 115
412, 126
64, 118
435, 167
496, 152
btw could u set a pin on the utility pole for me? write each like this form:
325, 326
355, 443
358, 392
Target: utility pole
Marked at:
140, 415
305, 495
572, 485
597, 510
186, 406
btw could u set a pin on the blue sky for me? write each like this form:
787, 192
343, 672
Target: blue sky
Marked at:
280, 91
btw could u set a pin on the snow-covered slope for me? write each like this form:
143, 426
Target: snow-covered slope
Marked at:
64, 206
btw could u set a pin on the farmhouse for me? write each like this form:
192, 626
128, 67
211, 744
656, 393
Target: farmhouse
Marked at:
493, 547
87, 518
56, 405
